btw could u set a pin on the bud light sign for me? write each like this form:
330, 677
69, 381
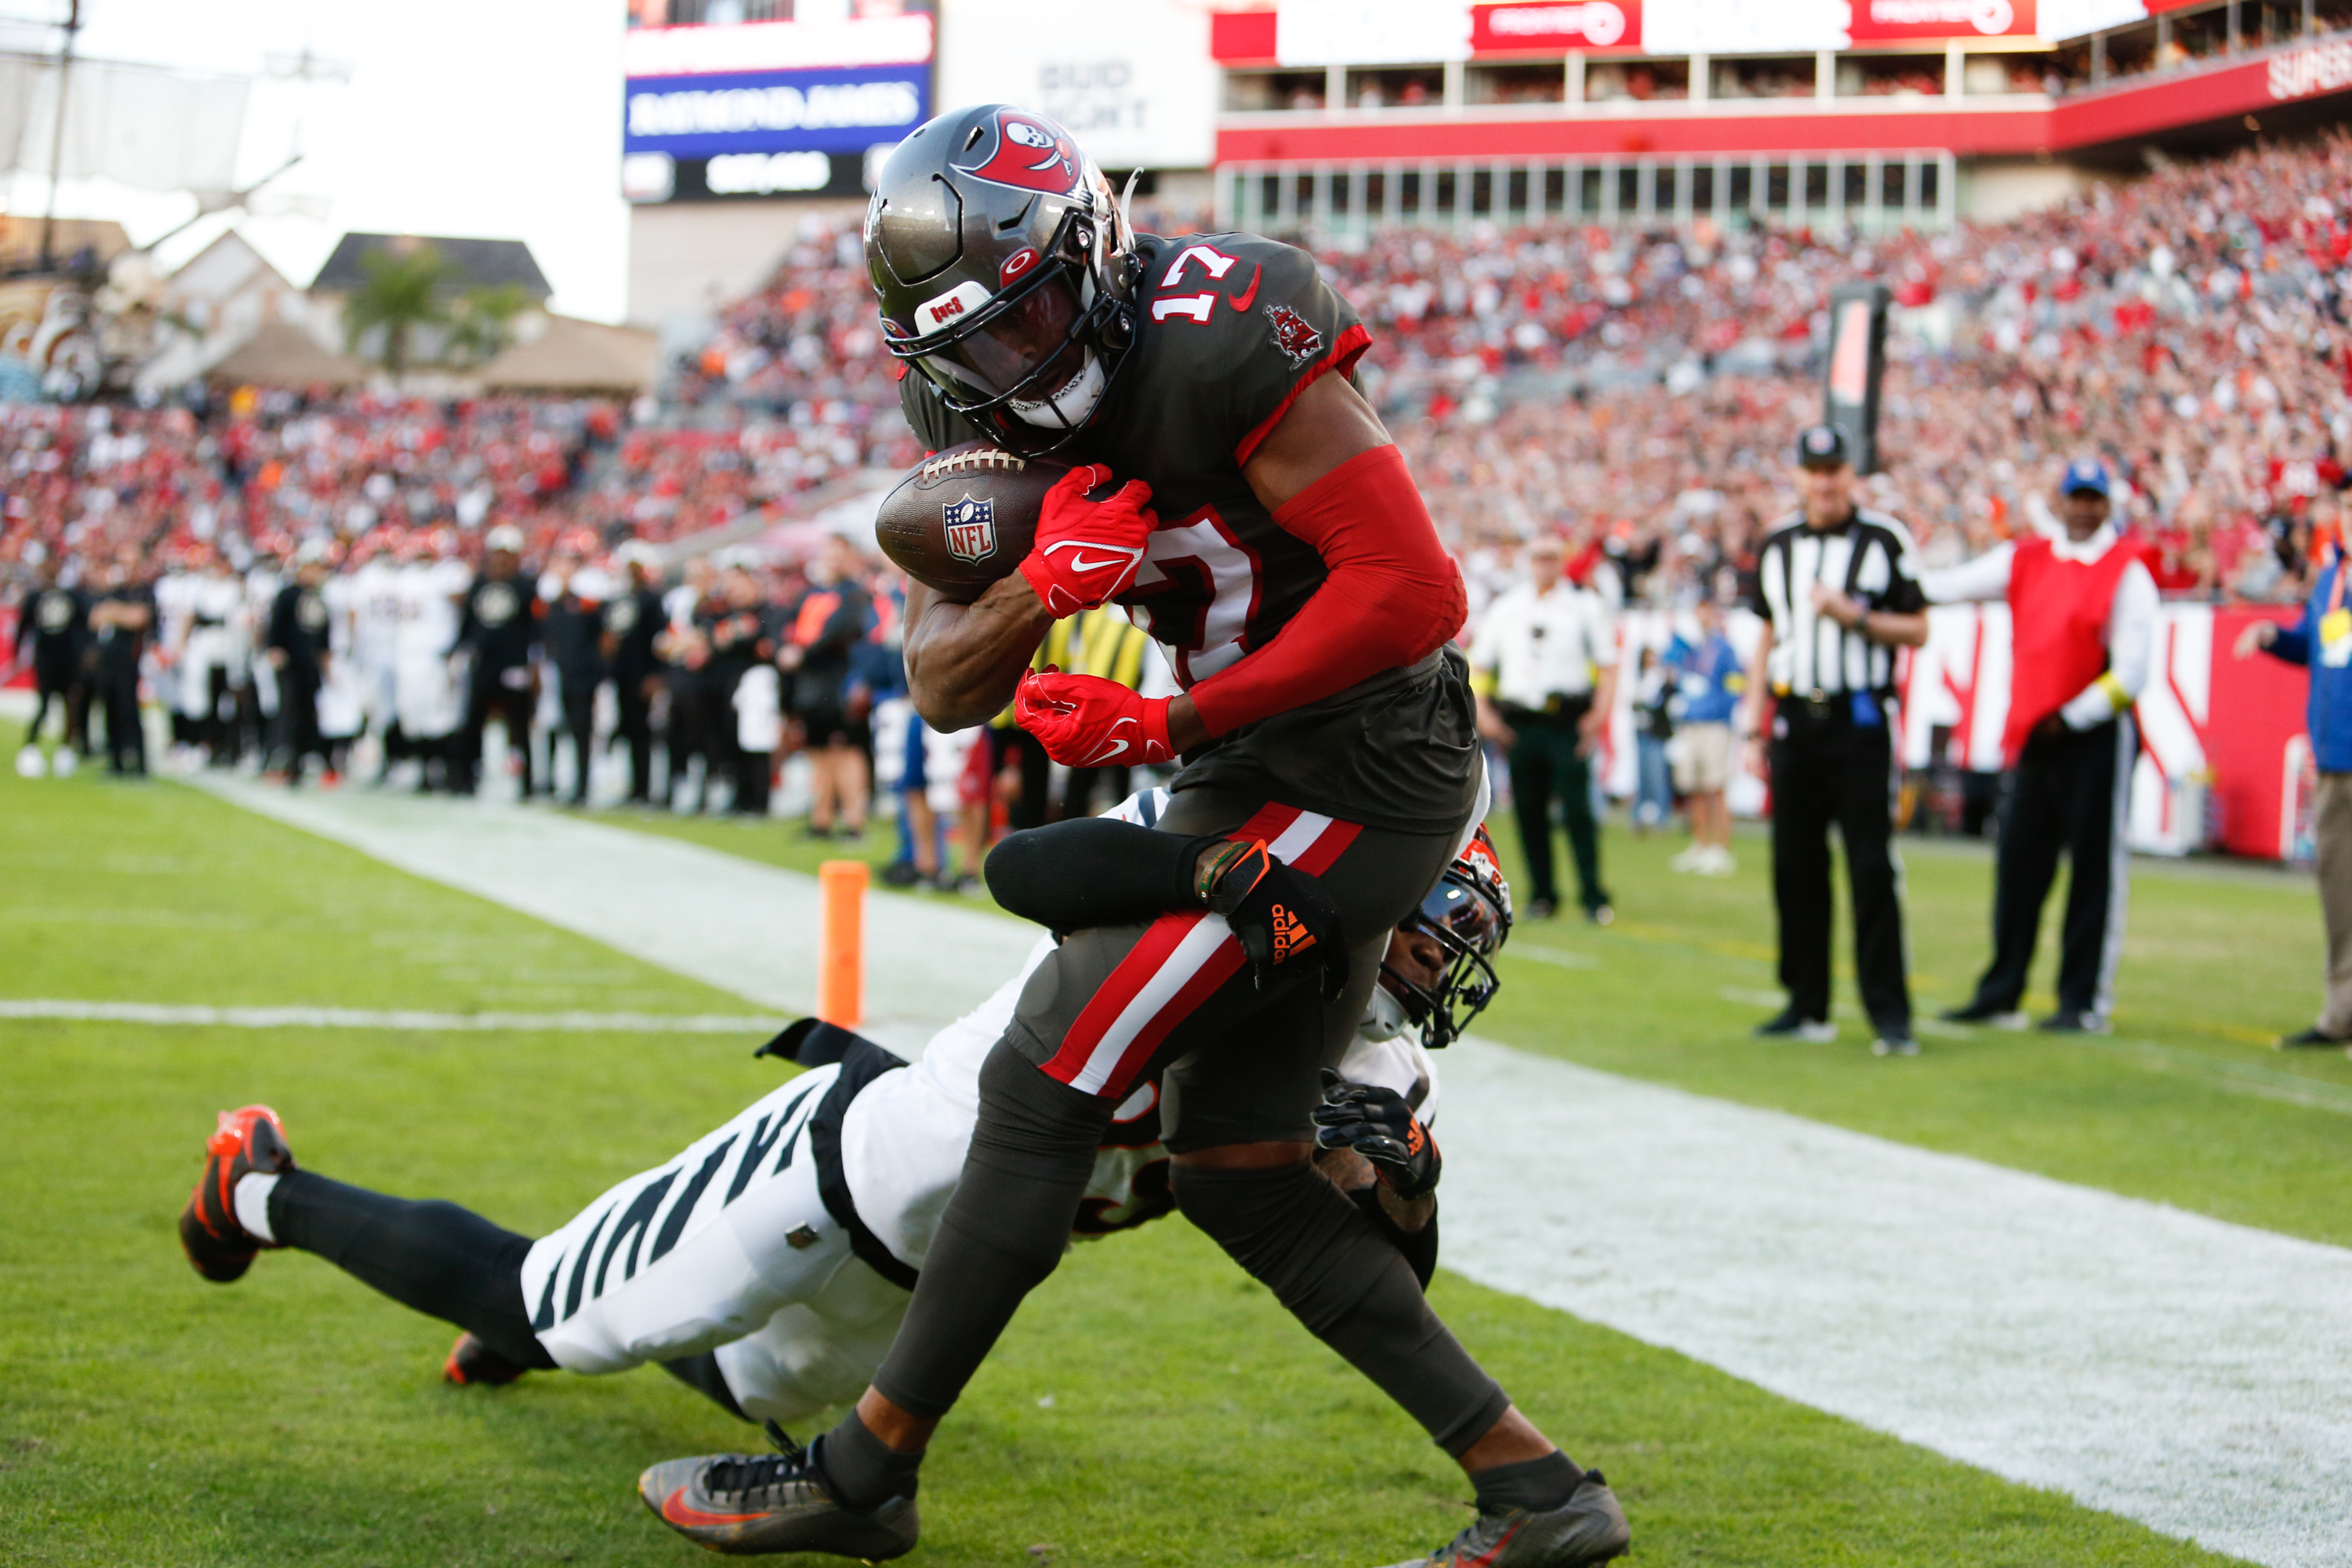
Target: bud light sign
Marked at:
841, 109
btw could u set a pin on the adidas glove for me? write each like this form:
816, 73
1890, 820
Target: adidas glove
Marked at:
1288, 924
1085, 551
1377, 1123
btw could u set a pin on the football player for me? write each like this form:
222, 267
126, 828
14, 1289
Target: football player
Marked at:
769, 1264
1268, 534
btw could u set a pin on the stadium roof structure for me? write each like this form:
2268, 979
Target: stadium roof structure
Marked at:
569, 355
282, 354
473, 263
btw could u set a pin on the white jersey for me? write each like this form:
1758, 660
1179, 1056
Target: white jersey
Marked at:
788, 1240
169, 643
375, 611
216, 639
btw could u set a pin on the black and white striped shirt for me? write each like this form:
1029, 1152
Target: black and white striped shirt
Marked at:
1869, 558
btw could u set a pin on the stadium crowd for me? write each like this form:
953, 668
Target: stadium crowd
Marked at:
1632, 393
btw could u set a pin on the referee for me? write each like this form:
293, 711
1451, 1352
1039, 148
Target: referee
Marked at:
1838, 591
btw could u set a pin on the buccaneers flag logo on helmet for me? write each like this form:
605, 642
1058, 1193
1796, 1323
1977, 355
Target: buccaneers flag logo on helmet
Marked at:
1033, 154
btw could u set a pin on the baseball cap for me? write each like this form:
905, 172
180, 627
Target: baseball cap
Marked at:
506, 536
2085, 474
1824, 446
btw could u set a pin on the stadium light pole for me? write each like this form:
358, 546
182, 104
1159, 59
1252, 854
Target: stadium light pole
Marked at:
57, 139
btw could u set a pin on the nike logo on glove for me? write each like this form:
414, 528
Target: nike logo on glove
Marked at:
1119, 748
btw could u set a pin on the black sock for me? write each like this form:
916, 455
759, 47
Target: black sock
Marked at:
859, 1469
1535, 1485
441, 1259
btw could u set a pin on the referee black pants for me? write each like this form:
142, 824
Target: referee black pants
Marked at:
1827, 769
2067, 792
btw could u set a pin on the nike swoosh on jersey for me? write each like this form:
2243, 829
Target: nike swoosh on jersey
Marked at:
677, 1512
1248, 297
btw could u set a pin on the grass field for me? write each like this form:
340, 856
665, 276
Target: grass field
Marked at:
1151, 1407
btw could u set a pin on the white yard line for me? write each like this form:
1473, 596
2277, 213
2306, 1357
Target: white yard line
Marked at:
372, 1019
726, 922
2191, 1374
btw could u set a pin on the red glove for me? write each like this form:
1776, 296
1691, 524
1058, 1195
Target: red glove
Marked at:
1086, 722
1086, 552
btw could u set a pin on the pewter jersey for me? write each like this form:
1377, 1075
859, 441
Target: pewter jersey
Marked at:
1231, 329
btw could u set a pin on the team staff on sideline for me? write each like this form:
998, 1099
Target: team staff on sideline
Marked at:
296, 639
2083, 619
633, 619
55, 619
2322, 642
1839, 593
1544, 664
500, 627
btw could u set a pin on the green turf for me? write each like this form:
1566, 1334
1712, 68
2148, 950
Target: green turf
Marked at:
1151, 1407
2187, 1102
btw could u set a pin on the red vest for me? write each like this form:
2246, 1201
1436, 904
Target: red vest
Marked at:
2058, 620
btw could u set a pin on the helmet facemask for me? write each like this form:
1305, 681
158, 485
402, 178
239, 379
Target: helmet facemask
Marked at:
1032, 364
1468, 915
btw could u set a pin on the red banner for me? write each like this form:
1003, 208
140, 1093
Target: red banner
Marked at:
1536, 28
1894, 21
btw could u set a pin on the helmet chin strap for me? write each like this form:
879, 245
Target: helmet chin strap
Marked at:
1384, 1016
1069, 408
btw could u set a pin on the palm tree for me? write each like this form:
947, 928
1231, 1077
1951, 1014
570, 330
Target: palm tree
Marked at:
401, 292
481, 323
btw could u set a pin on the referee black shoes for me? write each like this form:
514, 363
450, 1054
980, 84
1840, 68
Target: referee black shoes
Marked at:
1791, 1025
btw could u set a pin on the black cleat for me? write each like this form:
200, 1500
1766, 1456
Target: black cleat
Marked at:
745, 1504
2072, 1021
250, 1138
2305, 1039
471, 1364
1984, 1013
1791, 1024
1589, 1528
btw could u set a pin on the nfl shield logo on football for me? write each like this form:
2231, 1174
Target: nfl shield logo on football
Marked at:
970, 528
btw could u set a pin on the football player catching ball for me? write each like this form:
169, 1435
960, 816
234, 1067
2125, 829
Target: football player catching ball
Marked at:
1264, 528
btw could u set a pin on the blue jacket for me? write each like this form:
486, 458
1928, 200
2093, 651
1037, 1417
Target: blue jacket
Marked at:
1709, 677
2328, 718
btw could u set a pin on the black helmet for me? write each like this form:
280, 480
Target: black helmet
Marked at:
1469, 913
1006, 272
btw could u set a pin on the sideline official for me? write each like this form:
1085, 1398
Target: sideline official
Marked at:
1544, 664
1839, 593
2081, 632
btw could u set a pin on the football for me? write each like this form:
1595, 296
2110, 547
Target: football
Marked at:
963, 518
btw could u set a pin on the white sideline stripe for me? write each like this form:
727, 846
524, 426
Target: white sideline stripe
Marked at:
2193, 1375
731, 923
363, 1018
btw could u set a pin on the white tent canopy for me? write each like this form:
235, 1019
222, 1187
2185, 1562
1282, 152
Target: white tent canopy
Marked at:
159, 130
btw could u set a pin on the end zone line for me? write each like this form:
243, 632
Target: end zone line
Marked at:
365, 1018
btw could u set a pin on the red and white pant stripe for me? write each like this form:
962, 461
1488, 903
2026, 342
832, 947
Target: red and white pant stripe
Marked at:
1178, 963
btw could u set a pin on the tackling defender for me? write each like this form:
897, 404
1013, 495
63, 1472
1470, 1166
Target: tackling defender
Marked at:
769, 1264
1296, 579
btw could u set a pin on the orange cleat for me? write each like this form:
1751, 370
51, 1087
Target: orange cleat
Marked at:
248, 1139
